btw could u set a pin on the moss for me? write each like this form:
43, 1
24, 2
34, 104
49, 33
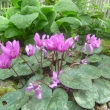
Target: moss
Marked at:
106, 47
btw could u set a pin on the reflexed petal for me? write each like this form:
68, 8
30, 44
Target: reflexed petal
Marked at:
29, 89
88, 37
17, 48
38, 92
9, 45
54, 84
85, 46
55, 76
90, 47
84, 61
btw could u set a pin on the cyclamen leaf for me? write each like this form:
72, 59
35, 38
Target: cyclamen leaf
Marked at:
23, 21
55, 101
103, 90
13, 100
73, 78
86, 99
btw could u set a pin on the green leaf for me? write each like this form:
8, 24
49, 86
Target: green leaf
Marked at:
4, 23
30, 3
55, 101
22, 68
16, 3
94, 58
23, 21
54, 28
65, 6
33, 9
104, 66
12, 32
103, 90
74, 22
86, 99
89, 71
11, 11
73, 106
73, 78
46, 9
13, 100
6, 73
85, 19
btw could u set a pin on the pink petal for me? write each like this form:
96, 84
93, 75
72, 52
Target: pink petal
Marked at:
38, 93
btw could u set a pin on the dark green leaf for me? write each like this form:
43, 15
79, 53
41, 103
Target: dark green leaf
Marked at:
12, 32
3, 23
23, 21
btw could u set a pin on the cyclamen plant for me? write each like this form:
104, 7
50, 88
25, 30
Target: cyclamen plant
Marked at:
74, 77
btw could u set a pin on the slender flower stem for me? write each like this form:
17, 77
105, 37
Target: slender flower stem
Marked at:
57, 61
27, 64
17, 76
41, 59
61, 61
52, 61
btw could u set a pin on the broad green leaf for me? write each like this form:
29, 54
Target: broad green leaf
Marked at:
55, 101
12, 32
40, 25
85, 19
13, 100
103, 90
51, 16
54, 28
104, 66
65, 6
23, 21
46, 9
89, 71
86, 99
22, 68
30, 3
94, 58
6, 73
73, 78
4, 23
70, 20
73, 106
33, 9
11, 11
16, 3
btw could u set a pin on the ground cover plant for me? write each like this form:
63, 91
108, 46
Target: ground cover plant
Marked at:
56, 73
48, 58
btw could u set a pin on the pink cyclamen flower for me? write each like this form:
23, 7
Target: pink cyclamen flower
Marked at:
5, 61
12, 49
36, 88
84, 61
30, 49
55, 80
91, 42
39, 42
